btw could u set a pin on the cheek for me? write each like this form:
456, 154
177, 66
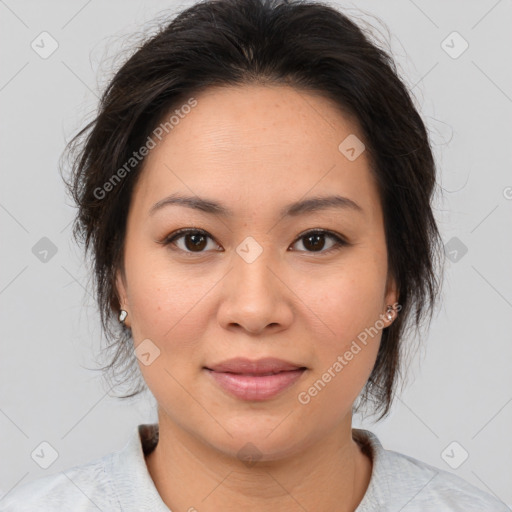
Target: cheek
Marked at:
348, 337
165, 308
167, 302
346, 343
346, 302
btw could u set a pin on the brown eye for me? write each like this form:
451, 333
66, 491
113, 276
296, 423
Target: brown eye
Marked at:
196, 241
314, 241
193, 240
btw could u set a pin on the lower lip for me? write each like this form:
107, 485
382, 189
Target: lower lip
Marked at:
250, 387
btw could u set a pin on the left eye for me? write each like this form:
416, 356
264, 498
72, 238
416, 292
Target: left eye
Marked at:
314, 240
195, 240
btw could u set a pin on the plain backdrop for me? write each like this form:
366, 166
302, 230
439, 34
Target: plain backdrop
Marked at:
456, 411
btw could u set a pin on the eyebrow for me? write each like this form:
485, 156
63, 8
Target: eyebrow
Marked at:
294, 209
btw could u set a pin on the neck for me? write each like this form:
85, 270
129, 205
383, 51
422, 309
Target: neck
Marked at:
329, 475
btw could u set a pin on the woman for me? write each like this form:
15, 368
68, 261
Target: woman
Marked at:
256, 192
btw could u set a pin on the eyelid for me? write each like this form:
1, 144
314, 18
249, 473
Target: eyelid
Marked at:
323, 231
169, 239
339, 240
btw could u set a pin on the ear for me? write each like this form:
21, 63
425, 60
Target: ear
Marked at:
392, 298
122, 294
121, 288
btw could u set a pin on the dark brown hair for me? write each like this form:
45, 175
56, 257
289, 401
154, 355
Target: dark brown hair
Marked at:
307, 45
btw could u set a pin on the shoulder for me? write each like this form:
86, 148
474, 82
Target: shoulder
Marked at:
437, 489
401, 482
83, 487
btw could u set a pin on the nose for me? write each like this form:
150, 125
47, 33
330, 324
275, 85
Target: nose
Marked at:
255, 297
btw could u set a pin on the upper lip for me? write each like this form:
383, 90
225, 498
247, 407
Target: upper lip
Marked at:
243, 365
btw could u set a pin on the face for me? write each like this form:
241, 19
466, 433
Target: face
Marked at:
249, 280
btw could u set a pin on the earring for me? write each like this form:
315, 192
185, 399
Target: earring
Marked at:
122, 316
389, 312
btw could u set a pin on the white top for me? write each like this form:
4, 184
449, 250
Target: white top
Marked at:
120, 481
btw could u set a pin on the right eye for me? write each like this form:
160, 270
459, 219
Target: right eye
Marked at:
194, 240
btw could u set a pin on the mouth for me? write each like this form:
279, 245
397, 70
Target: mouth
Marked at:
255, 380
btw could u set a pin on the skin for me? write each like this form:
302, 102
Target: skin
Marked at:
256, 149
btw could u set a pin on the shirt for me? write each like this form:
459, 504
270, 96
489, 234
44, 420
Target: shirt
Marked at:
120, 481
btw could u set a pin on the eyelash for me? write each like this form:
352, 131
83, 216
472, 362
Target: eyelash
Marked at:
338, 240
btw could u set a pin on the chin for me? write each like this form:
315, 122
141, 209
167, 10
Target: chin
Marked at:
255, 440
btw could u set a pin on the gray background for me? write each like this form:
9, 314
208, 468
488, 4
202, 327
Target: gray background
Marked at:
460, 384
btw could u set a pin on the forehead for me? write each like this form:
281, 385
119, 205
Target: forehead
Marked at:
255, 145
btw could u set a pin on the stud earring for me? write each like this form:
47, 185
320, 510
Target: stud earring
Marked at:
389, 312
122, 316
